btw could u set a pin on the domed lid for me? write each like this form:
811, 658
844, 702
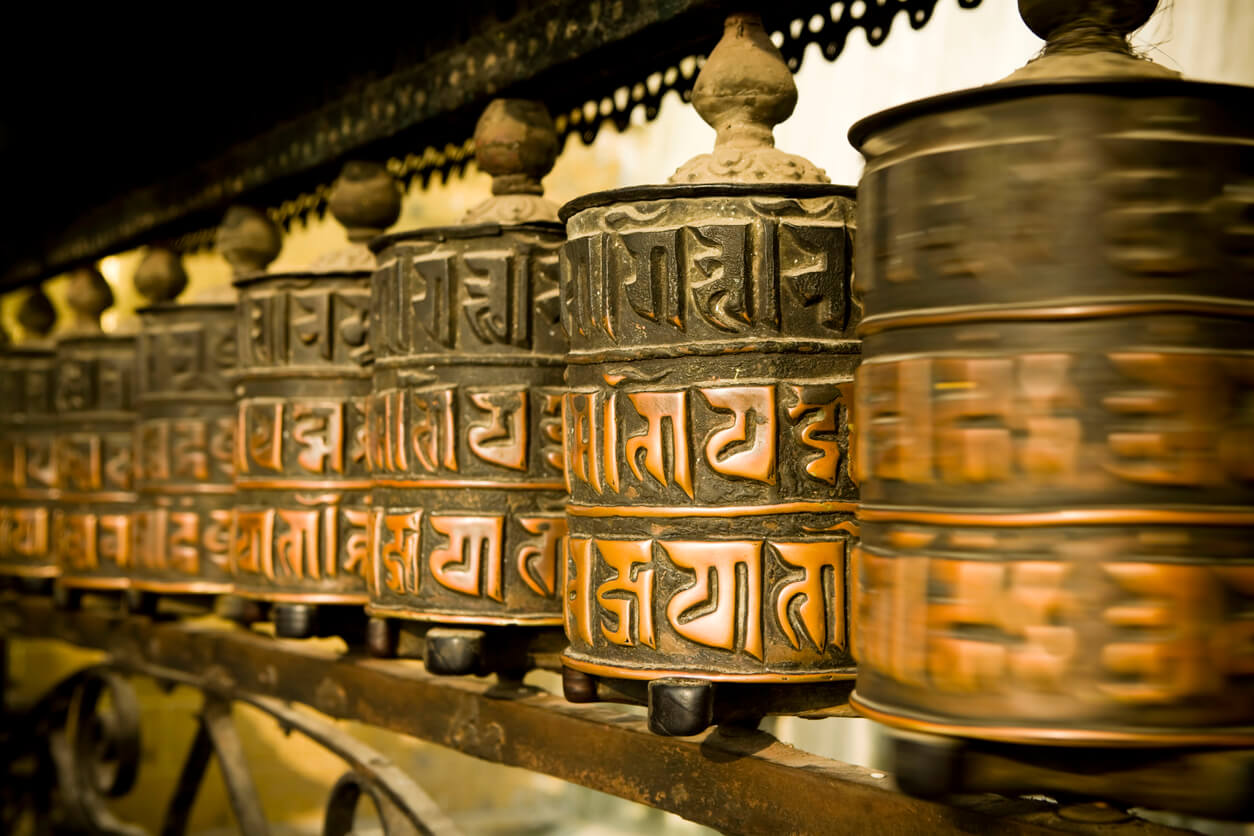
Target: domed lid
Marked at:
88, 296
515, 142
36, 317
743, 91
160, 276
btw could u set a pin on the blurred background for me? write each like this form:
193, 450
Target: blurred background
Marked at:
1205, 39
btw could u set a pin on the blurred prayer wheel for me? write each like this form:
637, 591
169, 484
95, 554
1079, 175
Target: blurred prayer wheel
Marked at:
705, 426
95, 424
1055, 418
27, 442
299, 537
184, 443
465, 416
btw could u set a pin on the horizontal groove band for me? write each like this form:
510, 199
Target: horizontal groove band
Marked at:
716, 349
302, 485
436, 618
681, 511
488, 484
766, 677
1064, 517
215, 489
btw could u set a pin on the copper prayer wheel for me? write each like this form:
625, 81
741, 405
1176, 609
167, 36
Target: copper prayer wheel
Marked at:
95, 423
28, 492
706, 422
299, 534
184, 437
1055, 439
465, 415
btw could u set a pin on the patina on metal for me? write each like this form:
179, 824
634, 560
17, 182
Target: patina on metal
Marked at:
28, 484
184, 437
706, 422
464, 420
95, 424
1055, 439
299, 533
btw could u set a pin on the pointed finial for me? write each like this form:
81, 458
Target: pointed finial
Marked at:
36, 314
248, 240
515, 142
744, 91
89, 295
365, 199
160, 276
1087, 38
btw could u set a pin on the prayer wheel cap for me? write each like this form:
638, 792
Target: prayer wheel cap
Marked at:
36, 314
743, 91
160, 276
366, 199
248, 240
89, 296
516, 142
1047, 17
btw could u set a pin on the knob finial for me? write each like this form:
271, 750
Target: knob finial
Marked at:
160, 276
36, 315
89, 296
248, 240
515, 142
1087, 39
365, 199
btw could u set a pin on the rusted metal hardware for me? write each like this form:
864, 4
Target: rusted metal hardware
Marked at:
411, 95
299, 533
1055, 445
28, 483
705, 426
95, 424
734, 780
464, 419
184, 438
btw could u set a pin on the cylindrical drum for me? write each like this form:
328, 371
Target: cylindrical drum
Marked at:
465, 416
299, 533
710, 378
184, 442
1055, 437
27, 388
95, 407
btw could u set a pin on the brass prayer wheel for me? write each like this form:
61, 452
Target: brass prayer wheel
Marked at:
28, 492
299, 535
1055, 441
95, 424
184, 436
706, 422
464, 419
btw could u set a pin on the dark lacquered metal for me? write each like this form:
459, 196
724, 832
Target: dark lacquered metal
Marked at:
1055, 433
710, 379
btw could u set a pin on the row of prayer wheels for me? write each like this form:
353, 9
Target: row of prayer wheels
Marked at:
665, 439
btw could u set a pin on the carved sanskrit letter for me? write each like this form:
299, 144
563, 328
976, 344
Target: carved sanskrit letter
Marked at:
434, 305
579, 416
185, 542
722, 297
502, 439
497, 308
746, 446
222, 446
895, 417
188, 449
259, 436
311, 326
578, 585
655, 293
471, 563
971, 598
715, 566
631, 587
216, 539
590, 298
820, 615
356, 544
252, 542
319, 429
400, 536
297, 547
658, 409
814, 265
551, 429
890, 632
435, 429
973, 413
820, 427
152, 461
537, 561
115, 539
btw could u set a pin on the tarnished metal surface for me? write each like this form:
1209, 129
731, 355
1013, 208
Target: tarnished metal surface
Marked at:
95, 407
1055, 443
28, 483
418, 99
705, 427
463, 438
734, 781
184, 445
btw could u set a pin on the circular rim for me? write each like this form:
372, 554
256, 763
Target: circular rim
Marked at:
193, 307
439, 234
303, 275
610, 671
1005, 90
677, 191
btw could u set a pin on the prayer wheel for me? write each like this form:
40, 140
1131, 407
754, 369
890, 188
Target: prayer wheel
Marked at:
1055, 426
299, 537
27, 466
95, 424
707, 417
465, 416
